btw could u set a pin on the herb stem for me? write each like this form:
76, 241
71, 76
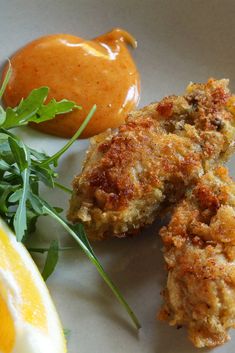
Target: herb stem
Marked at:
94, 260
62, 187
54, 159
43, 250
6, 80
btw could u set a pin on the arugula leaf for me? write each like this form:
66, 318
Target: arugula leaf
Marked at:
67, 332
4, 165
20, 219
45, 175
51, 260
33, 109
22, 159
11, 119
48, 112
38, 156
36, 203
33, 102
32, 218
5, 191
16, 196
2, 115
19, 153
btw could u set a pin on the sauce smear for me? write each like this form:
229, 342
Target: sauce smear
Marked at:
100, 71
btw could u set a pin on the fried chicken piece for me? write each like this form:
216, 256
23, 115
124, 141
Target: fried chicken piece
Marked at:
199, 250
132, 173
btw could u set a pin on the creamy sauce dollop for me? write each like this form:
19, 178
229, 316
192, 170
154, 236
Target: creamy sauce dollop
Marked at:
100, 71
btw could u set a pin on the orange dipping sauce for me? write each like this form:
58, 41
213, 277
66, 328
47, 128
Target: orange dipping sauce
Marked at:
99, 72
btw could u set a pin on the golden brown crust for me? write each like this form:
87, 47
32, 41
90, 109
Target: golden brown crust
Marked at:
199, 250
162, 149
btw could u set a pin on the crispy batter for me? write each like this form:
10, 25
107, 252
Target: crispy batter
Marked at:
199, 250
132, 173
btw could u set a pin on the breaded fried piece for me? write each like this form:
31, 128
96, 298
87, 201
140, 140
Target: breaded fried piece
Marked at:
199, 250
132, 173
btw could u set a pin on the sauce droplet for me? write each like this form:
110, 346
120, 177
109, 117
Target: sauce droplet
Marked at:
100, 71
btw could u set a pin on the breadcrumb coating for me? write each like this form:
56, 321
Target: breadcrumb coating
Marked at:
132, 173
199, 250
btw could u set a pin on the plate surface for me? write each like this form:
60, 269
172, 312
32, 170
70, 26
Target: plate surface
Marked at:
179, 41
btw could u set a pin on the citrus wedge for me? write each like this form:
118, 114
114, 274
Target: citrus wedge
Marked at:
28, 319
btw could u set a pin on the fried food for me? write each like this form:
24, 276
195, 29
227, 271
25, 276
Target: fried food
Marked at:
199, 250
132, 173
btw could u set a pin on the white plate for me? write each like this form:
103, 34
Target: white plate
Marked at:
179, 41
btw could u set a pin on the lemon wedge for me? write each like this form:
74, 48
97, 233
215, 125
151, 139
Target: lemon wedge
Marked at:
28, 319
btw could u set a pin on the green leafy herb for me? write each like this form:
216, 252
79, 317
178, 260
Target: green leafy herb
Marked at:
51, 260
23, 170
67, 333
